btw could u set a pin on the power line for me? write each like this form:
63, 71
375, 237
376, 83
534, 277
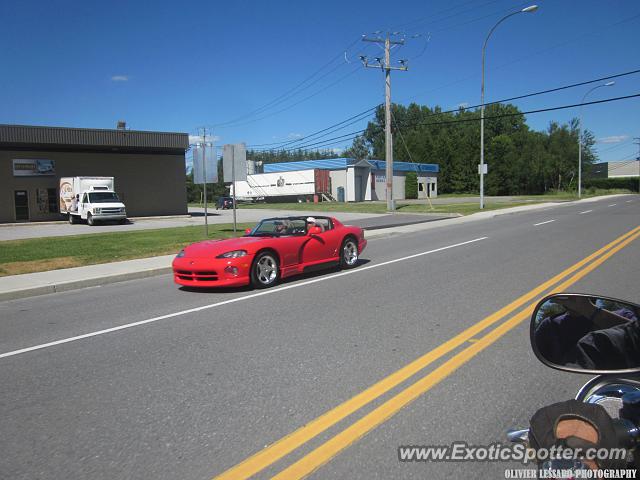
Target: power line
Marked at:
541, 92
344, 77
466, 120
289, 93
358, 118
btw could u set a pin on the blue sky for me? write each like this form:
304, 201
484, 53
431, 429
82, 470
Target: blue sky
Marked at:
172, 66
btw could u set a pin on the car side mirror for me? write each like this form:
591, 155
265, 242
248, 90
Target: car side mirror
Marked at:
587, 333
315, 230
247, 231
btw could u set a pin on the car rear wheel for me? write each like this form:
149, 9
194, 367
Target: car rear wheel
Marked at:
72, 219
349, 253
265, 270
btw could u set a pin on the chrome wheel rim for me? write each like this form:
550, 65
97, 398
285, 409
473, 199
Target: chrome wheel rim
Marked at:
266, 269
350, 252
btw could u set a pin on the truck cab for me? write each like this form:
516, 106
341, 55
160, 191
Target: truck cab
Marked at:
98, 205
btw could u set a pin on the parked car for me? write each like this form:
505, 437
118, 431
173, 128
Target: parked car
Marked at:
224, 203
276, 248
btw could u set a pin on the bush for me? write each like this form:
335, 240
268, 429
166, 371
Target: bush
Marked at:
626, 183
411, 185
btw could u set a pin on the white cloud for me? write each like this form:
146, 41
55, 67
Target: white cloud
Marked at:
120, 78
463, 105
293, 136
613, 139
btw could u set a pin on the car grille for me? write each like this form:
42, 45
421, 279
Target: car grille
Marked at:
196, 276
110, 211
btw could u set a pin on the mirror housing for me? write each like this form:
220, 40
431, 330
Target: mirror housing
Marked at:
315, 230
247, 231
586, 334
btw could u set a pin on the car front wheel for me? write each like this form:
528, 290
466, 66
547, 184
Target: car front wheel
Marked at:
265, 270
349, 253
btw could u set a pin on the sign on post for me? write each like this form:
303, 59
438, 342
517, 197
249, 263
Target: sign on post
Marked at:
210, 165
234, 161
234, 169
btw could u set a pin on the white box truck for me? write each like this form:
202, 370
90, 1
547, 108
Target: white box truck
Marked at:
95, 200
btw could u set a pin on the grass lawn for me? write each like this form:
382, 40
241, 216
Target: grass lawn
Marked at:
50, 253
423, 207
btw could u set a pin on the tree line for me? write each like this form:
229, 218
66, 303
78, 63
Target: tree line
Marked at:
520, 160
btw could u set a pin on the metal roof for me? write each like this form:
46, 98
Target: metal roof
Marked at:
342, 163
28, 135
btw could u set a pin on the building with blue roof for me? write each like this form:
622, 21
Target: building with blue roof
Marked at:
340, 179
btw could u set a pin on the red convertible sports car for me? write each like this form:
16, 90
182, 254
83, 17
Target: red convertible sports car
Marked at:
276, 248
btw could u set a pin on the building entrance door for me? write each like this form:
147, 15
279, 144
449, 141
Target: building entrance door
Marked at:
21, 200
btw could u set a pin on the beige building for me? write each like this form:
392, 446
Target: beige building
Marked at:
148, 169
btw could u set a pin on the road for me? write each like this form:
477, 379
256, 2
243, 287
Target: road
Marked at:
194, 383
244, 215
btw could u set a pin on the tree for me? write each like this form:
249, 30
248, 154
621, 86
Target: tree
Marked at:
411, 185
358, 150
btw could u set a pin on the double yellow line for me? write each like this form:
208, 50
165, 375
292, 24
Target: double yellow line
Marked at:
355, 431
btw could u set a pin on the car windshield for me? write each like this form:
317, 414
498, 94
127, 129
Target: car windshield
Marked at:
103, 197
278, 227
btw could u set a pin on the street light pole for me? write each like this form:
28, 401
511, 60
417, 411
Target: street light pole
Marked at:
608, 84
529, 9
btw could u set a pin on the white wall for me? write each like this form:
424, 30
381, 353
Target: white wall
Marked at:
338, 179
300, 182
350, 194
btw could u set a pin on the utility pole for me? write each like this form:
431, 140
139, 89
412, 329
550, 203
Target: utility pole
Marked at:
204, 174
636, 140
386, 66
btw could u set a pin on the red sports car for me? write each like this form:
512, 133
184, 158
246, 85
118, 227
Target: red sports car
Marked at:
276, 248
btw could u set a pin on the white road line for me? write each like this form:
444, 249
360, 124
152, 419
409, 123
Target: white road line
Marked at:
542, 223
629, 201
612, 205
586, 211
233, 300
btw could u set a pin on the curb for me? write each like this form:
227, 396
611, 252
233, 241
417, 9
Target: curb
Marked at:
79, 284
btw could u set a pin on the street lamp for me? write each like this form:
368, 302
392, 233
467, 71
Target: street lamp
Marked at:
529, 9
608, 84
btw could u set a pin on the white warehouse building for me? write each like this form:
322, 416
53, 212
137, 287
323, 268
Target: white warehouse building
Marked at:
339, 179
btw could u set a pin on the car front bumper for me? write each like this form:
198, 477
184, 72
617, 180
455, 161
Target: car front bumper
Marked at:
212, 272
107, 217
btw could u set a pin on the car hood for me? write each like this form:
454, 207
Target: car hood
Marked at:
212, 248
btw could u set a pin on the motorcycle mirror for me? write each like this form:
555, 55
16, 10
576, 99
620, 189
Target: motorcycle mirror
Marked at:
587, 334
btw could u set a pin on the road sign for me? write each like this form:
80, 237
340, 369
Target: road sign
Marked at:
211, 166
234, 162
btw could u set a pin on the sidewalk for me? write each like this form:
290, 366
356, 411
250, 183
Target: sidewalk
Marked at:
41, 283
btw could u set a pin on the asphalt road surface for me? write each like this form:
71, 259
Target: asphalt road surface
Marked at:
244, 215
278, 382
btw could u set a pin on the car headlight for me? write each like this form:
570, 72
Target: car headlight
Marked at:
97, 210
233, 254
180, 254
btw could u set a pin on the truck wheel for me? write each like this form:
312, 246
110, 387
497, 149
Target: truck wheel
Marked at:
72, 219
90, 220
